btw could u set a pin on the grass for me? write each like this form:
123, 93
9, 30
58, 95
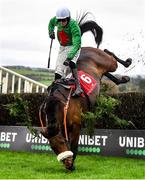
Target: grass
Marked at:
43, 76
46, 82
26, 165
29, 71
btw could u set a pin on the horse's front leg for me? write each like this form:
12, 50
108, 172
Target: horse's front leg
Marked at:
74, 138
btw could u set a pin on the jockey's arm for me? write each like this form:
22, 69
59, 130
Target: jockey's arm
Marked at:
51, 25
76, 40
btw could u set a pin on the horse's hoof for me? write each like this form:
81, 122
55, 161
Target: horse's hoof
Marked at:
125, 79
128, 62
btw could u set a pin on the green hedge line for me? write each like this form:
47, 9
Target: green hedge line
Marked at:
132, 108
34, 102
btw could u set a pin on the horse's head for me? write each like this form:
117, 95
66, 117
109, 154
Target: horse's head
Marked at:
54, 110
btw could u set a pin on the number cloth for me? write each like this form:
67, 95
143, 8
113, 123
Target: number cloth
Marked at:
88, 83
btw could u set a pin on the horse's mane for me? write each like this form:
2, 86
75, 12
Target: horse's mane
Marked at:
90, 25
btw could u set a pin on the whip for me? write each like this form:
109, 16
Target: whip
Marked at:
49, 53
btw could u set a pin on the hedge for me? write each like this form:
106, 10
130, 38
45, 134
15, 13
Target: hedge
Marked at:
34, 102
131, 108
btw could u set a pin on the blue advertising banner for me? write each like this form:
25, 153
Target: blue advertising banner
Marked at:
107, 142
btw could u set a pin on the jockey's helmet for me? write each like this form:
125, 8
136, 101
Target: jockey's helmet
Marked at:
62, 13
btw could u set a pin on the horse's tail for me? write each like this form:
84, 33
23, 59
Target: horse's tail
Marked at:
89, 25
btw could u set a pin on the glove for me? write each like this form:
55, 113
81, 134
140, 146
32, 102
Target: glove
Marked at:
66, 62
52, 35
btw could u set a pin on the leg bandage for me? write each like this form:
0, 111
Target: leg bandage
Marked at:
64, 155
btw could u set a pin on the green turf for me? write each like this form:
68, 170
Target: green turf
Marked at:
20, 165
42, 76
46, 82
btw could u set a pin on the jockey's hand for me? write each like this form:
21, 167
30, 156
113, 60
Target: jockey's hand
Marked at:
52, 35
67, 61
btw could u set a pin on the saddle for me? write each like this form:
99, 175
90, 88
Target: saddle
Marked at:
87, 82
67, 83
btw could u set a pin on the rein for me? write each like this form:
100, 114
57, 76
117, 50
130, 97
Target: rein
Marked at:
65, 113
66, 105
40, 119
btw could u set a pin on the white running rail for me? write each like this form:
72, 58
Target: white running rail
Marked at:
12, 82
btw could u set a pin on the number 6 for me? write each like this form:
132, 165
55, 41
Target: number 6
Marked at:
86, 79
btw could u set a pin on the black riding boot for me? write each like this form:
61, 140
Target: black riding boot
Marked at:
78, 90
57, 76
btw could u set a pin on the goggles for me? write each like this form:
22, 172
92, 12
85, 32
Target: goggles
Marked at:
62, 20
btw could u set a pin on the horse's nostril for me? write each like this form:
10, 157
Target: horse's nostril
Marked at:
68, 163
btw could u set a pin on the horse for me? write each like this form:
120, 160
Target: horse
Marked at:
63, 112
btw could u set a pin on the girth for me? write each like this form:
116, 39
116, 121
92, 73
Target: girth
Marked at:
66, 84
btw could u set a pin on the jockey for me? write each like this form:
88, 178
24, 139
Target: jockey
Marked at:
69, 37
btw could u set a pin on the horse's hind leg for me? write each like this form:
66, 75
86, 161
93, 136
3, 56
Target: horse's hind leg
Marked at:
124, 79
126, 63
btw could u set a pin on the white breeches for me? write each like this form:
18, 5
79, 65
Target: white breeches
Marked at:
62, 55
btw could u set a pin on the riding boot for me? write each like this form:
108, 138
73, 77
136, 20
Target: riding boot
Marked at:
78, 90
57, 76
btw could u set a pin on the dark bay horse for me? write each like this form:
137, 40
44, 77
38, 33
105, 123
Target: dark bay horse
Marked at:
94, 62
63, 112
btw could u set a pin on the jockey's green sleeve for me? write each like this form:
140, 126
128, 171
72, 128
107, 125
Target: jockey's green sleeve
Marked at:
76, 39
69, 35
52, 24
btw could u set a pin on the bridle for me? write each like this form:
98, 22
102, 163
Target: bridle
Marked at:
65, 102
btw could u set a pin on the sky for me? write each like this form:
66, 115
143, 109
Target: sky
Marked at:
24, 36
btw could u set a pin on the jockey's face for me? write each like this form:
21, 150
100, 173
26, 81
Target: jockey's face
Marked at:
63, 22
